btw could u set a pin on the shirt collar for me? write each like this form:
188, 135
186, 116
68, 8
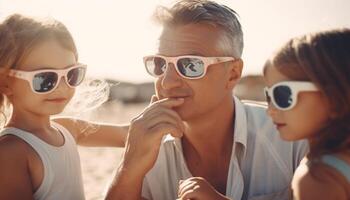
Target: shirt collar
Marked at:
240, 128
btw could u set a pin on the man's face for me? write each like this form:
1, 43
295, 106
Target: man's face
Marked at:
202, 96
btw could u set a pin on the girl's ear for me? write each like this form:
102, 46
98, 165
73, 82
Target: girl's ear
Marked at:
4, 87
5, 90
234, 73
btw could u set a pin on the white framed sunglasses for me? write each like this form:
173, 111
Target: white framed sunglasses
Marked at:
187, 66
284, 95
46, 80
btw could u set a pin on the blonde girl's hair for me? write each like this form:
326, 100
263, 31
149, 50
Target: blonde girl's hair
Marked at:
18, 36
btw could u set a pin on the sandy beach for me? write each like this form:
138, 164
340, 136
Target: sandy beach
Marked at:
98, 164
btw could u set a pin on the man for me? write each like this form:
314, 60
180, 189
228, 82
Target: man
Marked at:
218, 147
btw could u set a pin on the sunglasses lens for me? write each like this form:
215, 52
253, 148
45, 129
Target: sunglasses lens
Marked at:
44, 82
76, 76
283, 96
155, 66
190, 67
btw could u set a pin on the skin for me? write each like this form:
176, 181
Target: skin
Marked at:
320, 182
303, 121
311, 107
21, 167
197, 188
185, 114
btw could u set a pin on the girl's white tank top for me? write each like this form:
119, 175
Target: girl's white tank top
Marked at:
62, 170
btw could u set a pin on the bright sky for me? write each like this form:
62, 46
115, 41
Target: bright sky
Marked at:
112, 36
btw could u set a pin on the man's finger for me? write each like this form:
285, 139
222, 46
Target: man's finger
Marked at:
165, 128
189, 194
185, 187
170, 102
161, 111
167, 103
163, 118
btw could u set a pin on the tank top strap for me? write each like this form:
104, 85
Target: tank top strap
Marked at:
32, 140
69, 139
340, 165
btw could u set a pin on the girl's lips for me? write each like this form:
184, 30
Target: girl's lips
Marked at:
279, 125
57, 100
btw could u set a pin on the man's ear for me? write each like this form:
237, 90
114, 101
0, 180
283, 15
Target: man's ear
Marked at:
234, 73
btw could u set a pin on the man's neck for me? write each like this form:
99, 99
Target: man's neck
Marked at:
207, 145
212, 134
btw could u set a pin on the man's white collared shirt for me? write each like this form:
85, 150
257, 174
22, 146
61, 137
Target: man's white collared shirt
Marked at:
261, 166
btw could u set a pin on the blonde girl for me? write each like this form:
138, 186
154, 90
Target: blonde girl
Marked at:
39, 73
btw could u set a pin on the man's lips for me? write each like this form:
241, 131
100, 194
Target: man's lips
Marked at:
174, 96
174, 93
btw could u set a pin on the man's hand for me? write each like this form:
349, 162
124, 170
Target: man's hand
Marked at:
142, 146
198, 188
147, 130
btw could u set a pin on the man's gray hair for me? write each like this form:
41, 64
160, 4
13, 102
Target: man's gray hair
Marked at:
203, 11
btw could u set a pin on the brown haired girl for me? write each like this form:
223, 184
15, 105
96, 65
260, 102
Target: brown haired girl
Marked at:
308, 93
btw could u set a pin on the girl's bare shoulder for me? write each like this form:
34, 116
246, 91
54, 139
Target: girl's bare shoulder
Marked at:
14, 168
14, 147
317, 180
14, 152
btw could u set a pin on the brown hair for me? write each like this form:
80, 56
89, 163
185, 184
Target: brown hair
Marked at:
322, 58
19, 35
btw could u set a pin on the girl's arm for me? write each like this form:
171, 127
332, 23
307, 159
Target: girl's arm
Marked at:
92, 134
15, 181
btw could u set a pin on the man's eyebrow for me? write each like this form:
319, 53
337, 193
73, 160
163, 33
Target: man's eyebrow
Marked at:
71, 65
196, 54
186, 54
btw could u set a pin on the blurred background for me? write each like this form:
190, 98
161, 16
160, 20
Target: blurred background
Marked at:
112, 36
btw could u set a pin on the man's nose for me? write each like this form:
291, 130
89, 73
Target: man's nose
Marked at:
171, 79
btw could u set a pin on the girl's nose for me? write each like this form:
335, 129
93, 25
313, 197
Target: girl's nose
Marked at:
271, 109
62, 84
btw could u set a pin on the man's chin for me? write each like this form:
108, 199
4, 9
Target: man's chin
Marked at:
185, 113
